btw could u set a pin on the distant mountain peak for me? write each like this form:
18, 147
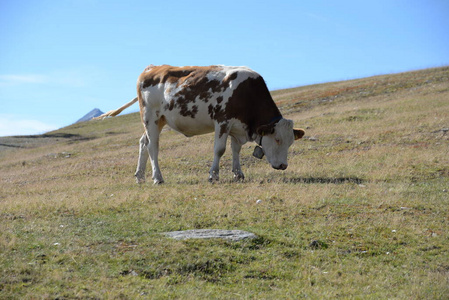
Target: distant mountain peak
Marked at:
92, 114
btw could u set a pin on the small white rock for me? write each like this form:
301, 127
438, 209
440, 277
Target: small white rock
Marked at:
258, 201
394, 231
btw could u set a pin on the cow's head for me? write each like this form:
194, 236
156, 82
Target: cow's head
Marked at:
275, 140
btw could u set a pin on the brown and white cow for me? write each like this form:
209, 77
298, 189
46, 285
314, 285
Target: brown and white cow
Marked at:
230, 101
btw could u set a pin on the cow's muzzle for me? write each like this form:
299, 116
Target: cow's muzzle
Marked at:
280, 167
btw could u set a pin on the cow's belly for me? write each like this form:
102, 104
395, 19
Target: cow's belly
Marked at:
190, 126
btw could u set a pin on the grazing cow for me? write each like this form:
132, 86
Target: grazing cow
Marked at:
230, 101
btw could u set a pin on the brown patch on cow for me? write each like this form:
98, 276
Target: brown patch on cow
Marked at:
161, 123
217, 113
184, 98
223, 129
205, 96
251, 103
185, 112
165, 73
230, 77
210, 111
171, 105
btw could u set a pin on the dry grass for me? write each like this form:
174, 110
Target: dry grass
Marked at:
361, 212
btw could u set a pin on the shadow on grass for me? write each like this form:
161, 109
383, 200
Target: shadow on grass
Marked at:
293, 180
71, 137
50, 135
31, 141
10, 146
324, 180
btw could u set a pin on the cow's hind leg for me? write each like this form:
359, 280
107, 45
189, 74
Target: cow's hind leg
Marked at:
149, 147
236, 169
153, 133
143, 158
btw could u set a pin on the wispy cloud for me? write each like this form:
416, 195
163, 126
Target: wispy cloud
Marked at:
13, 125
73, 77
21, 79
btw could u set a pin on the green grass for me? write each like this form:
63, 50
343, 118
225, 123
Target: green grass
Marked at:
361, 213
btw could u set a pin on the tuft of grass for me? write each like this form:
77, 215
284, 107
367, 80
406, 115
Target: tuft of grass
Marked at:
361, 212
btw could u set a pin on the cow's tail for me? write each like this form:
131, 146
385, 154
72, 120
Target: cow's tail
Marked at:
117, 111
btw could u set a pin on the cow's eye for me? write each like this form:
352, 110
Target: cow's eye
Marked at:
278, 141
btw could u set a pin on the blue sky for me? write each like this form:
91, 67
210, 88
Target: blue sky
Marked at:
60, 59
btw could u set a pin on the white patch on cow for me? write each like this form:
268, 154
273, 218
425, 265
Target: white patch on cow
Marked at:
239, 131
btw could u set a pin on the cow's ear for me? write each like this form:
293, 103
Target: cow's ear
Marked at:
265, 129
298, 132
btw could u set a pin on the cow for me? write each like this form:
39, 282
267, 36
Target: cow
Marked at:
230, 101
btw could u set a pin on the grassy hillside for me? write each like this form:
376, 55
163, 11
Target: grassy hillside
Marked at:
362, 211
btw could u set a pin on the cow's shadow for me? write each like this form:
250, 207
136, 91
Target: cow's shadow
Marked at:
291, 180
324, 180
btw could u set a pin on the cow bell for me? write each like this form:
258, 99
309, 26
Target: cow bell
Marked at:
258, 152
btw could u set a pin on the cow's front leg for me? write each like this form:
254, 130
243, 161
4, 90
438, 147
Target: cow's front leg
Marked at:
219, 150
143, 158
236, 169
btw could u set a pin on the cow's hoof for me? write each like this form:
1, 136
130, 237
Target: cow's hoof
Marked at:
140, 177
239, 176
213, 178
158, 181
140, 180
